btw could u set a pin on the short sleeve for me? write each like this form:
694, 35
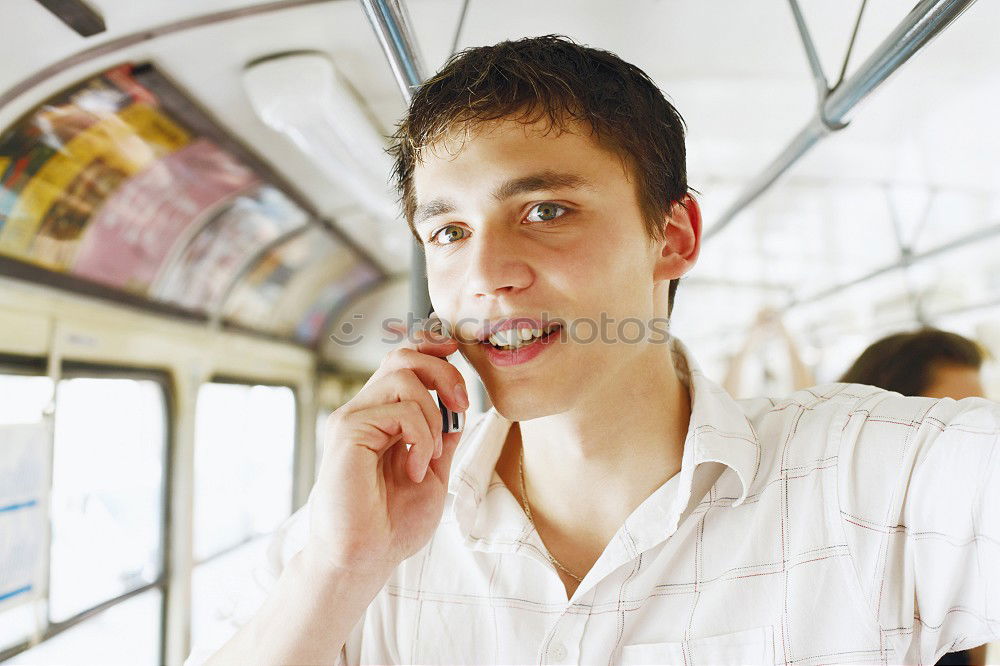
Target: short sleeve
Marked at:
919, 495
285, 543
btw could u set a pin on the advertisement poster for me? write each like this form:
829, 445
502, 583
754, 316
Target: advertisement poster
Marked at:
66, 159
310, 274
24, 464
206, 267
126, 250
121, 181
263, 297
333, 296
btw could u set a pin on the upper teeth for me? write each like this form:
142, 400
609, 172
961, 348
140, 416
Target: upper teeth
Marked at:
516, 337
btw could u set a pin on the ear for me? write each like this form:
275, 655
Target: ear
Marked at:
678, 251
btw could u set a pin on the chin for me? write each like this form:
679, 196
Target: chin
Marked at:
515, 405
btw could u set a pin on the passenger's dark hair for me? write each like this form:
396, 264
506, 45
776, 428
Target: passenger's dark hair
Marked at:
555, 80
903, 362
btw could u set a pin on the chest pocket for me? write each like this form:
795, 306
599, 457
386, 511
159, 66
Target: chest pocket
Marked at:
751, 646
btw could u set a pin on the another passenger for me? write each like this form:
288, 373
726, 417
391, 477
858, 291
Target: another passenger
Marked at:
931, 363
768, 327
928, 362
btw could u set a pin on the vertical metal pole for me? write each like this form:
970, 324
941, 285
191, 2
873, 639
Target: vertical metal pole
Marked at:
392, 27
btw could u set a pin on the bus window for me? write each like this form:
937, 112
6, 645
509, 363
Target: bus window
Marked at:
218, 585
107, 513
244, 454
107, 491
24, 400
134, 624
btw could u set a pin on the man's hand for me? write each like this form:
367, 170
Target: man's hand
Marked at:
377, 501
374, 504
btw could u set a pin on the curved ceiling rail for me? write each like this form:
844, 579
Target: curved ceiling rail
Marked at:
921, 25
392, 27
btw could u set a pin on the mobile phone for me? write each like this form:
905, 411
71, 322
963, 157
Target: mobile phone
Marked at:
450, 421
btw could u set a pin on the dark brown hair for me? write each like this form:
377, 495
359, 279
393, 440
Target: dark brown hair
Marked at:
904, 362
553, 79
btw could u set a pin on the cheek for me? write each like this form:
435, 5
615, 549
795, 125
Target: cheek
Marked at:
444, 289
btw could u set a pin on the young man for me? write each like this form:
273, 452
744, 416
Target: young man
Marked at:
616, 506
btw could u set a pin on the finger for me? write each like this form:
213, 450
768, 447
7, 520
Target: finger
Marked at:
381, 427
434, 373
430, 342
402, 384
441, 466
397, 455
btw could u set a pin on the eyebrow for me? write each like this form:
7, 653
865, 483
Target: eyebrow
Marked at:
543, 180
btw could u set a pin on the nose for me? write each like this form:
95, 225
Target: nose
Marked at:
497, 267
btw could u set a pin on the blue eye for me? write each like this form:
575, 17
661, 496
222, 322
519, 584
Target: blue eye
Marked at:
545, 212
448, 234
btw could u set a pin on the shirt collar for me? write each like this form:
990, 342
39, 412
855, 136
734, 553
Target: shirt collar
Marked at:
719, 431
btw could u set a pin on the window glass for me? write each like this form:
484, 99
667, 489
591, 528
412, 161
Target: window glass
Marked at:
225, 589
107, 491
128, 633
17, 624
244, 450
24, 398
22, 519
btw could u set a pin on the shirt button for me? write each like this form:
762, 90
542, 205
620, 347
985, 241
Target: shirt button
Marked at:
558, 652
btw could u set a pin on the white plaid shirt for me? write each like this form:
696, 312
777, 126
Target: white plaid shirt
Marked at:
843, 524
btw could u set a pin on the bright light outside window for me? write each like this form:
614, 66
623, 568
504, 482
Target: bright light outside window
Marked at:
24, 399
127, 634
244, 451
107, 491
17, 624
225, 589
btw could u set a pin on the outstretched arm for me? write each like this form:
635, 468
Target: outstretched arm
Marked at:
919, 492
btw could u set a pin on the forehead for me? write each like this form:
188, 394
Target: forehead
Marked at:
956, 381
497, 149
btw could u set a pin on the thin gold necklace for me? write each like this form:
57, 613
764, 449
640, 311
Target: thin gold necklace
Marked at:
527, 510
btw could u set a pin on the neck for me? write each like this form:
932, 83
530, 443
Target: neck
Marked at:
588, 468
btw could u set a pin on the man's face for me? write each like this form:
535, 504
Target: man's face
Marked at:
523, 228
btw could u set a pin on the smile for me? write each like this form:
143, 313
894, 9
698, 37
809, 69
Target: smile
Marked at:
515, 338
517, 342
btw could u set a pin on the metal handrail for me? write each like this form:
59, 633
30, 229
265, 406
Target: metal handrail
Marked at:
921, 25
906, 260
822, 87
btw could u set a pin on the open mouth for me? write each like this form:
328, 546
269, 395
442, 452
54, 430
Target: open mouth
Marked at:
514, 338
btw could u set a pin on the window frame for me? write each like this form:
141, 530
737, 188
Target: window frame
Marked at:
70, 369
